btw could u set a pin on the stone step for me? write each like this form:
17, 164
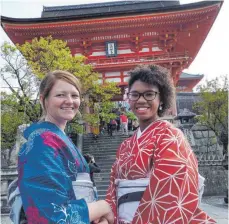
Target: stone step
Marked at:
104, 145
101, 153
102, 173
103, 176
105, 166
104, 158
99, 142
113, 141
102, 187
102, 197
104, 170
102, 179
105, 161
97, 178
104, 150
113, 138
108, 149
102, 192
102, 182
106, 136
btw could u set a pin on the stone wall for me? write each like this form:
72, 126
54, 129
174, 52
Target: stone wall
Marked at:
216, 178
206, 141
202, 140
7, 176
210, 157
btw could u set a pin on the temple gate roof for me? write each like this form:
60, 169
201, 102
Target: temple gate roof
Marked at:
107, 8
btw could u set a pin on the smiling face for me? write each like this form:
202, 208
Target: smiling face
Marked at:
146, 111
62, 103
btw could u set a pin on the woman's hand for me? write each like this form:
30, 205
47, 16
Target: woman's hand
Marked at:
100, 210
101, 221
109, 217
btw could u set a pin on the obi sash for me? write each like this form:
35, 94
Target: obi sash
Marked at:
130, 192
83, 188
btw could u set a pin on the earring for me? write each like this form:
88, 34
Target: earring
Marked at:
160, 107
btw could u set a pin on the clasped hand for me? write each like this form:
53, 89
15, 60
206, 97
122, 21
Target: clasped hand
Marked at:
106, 219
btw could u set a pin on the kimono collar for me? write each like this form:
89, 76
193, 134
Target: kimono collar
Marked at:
40, 125
139, 133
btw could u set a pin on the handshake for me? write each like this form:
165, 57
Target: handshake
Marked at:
100, 212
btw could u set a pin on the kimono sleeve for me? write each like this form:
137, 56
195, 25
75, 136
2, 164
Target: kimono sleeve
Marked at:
172, 194
46, 186
111, 192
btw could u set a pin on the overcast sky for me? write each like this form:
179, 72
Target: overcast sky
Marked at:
212, 59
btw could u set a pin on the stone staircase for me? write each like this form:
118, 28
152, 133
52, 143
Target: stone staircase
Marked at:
104, 151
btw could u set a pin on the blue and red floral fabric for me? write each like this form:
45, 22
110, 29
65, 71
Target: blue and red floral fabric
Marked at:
47, 164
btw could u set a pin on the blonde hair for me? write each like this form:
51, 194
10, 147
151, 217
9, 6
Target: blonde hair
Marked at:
50, 79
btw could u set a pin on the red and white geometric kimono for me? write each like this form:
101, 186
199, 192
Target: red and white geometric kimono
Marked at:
163, 155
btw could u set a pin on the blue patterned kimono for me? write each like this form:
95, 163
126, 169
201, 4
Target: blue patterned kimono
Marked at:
47, 164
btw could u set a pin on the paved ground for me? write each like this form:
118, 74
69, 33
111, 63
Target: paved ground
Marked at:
214, 206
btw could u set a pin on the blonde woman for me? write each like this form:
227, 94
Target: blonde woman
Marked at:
49, 163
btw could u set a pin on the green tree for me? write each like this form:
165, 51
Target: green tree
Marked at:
131, 115
41, 56
47, 54
11, 118
20, 81
213, 107
100, 102
20, 103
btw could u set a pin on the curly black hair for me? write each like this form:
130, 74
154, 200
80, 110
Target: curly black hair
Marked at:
158, 76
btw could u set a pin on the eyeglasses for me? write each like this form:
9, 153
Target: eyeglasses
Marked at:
148, 95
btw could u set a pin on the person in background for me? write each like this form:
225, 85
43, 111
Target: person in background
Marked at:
124, 123
118, 119
102, 126
155, 176
112, 127
49, 163
108, 128
94, 168
95, 131
102, 131
130, 125
135, 124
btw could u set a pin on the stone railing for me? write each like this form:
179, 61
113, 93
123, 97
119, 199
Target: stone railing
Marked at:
7, 176
212, 168
210, 160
